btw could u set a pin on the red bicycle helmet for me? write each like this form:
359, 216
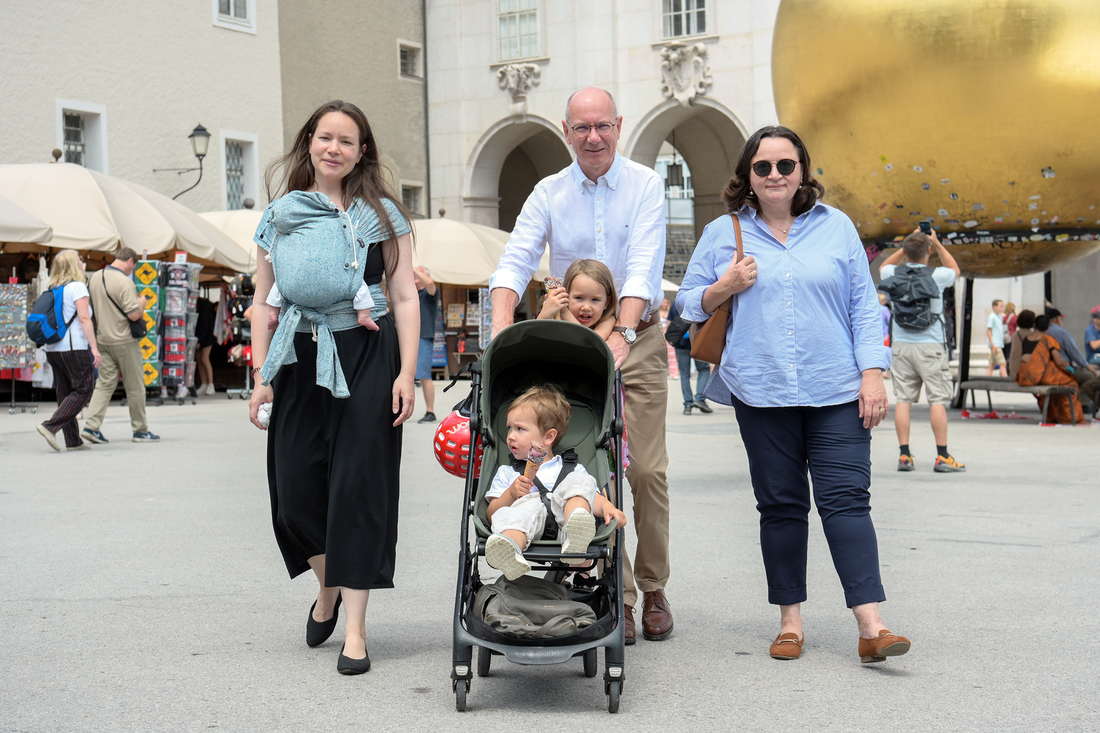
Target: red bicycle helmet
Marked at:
452, 445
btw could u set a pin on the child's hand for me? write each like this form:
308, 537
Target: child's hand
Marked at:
521, 487
556, 300
610, 513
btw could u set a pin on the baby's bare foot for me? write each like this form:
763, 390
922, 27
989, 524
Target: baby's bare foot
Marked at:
272, 322
366, 321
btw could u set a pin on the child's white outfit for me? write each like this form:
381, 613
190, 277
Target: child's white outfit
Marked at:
528, 515
362, 301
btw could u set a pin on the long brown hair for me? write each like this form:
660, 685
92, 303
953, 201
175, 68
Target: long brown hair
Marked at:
738, 191
294, 171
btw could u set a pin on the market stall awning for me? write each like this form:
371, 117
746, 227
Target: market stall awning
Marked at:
462, 253
93, 211
240, 227
18, 225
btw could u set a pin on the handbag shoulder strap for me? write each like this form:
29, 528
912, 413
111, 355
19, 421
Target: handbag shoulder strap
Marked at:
728, 305
737, 233
103, 277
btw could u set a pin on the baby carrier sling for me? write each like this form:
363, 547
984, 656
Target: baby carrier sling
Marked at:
568, 464
316, 252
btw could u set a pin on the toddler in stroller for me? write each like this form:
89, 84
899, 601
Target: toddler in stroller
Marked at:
561, 489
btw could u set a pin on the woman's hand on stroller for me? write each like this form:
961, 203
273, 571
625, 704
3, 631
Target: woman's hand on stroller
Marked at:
556, 300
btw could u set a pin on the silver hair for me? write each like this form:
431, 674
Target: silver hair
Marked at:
614, 109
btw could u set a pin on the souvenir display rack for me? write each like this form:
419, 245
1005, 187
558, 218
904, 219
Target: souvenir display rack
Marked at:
16, 349
171, 291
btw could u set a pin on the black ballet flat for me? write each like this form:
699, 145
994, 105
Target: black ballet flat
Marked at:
347, 665
318, 632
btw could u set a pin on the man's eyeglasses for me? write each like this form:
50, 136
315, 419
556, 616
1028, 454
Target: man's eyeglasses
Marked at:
763, 168
604, 129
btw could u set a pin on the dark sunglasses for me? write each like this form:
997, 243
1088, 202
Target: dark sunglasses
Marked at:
763, 168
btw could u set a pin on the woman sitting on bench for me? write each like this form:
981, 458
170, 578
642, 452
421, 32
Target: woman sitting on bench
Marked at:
1041, 363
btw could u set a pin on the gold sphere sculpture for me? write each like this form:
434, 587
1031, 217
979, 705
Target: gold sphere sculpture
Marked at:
980, 116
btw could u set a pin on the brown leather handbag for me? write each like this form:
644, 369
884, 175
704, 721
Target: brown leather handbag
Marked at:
708, 340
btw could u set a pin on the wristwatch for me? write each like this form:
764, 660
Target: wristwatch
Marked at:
629, 336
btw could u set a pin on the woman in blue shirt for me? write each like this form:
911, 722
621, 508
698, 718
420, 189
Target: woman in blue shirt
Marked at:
803, 369
338, 392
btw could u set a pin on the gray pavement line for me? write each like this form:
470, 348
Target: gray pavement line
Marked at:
985, 542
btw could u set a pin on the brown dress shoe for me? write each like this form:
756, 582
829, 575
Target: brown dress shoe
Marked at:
656, 616
629, 631
787, 646
882, 646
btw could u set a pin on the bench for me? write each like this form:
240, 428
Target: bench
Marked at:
1004, 384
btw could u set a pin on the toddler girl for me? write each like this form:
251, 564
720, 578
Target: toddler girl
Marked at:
587, 297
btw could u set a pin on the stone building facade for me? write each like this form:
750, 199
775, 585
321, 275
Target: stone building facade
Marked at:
121, 85
500, 72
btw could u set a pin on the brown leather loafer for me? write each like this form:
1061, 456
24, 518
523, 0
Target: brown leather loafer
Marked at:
787, 646
656, 616
882, 646
629, 631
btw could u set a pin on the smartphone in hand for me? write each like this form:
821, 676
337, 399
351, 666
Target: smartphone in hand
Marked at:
926, 228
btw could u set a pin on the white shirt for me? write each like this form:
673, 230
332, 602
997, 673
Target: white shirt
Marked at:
997, 326
547, 474
618, 220
74, 340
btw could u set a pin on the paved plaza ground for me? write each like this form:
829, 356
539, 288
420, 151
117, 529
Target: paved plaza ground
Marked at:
141, 590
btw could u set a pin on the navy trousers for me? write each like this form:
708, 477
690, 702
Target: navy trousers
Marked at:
831, 444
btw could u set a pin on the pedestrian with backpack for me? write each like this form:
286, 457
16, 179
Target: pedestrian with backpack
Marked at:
918, 340
678, 336
71, 350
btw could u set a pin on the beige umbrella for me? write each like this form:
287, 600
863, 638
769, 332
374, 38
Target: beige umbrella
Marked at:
65, 197
240, 227
89, 210
462, 253
17, 225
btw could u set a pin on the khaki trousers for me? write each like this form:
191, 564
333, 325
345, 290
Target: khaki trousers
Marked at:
124, 359
645, 378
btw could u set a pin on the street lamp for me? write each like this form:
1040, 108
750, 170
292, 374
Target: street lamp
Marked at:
200, 144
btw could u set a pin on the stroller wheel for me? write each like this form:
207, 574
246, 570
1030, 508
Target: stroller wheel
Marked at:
461, 688
484, 659
614, 688
589, 659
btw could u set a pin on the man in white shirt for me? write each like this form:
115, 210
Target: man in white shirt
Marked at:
609, 208
920, 356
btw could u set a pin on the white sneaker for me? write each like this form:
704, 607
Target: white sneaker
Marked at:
209, 389
580, 528
504, 555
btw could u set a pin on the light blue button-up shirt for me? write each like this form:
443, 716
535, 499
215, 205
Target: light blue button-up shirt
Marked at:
804, 332
618, 220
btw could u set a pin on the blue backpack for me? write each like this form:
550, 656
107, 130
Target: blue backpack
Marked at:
45, 324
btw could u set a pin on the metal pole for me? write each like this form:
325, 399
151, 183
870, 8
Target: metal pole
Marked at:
964, 341
196, 183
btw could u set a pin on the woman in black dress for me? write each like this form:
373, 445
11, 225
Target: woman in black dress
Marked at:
334, 463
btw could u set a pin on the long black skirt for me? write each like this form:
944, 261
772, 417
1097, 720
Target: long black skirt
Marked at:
333, 465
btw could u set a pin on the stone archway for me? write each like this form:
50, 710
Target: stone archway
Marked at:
709, 138
507, 162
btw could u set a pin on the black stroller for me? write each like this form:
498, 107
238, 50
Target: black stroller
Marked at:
578, 362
